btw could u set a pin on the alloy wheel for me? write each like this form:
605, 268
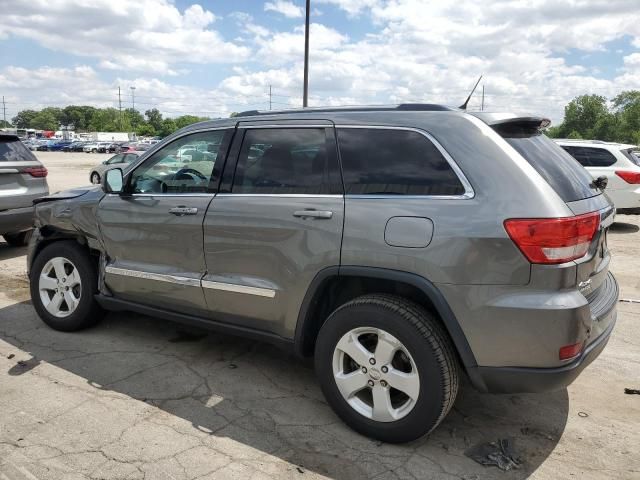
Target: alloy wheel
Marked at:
60, 287
376, 374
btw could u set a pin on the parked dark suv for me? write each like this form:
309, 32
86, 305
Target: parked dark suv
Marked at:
402, 247
22, 179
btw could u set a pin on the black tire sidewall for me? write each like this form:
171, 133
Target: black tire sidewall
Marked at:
87, 312
425, 415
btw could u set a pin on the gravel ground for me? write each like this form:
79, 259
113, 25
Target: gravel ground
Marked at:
136, 397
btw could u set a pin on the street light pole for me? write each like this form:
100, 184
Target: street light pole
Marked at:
305, 97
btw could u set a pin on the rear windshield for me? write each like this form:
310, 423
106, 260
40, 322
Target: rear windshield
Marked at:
631, 156
13, 150
565, 175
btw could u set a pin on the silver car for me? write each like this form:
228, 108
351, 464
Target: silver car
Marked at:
401, 247
22, 180
121, 160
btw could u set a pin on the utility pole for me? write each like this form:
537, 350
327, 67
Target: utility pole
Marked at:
133, 102
305, 95
120, 108
269, 97
4, 110
482, 107
133, 97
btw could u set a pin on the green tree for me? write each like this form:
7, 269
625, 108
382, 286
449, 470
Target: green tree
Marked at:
24, 118
105, 120
77, 115
45, 120
145, 130
167, 128
4, 124
154, 118
582, 114
185, 120
133, 118
627, 106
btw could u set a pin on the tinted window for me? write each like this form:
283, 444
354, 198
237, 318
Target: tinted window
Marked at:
591, 157
286, 161
182, 166
13, 150
557, 167
394, 162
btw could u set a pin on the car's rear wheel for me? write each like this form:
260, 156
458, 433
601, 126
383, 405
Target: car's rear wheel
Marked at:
386, 367
95, 178
63, 284
19, 239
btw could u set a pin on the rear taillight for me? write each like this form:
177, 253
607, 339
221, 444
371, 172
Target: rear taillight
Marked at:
553, 240
629, 177
38, 172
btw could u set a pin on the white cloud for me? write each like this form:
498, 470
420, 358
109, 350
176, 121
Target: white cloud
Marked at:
123, 34
284, 7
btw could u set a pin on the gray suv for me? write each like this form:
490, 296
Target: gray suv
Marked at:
22, 180
401, 247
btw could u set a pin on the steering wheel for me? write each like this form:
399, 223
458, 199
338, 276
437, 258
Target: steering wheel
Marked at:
188, 174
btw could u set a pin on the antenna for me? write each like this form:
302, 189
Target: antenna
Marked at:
464, 105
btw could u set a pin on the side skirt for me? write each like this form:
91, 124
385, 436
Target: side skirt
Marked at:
117, 305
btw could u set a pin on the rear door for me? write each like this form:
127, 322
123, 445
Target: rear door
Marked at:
22, 176
275, 224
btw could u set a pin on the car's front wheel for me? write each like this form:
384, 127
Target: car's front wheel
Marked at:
63, 282
386, 367
95, 178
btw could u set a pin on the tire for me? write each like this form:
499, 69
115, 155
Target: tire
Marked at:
86, 311
19, 239
94, 150
95, 178
425, 350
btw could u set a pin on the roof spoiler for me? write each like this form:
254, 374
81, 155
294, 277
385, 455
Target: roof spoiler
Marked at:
511, 119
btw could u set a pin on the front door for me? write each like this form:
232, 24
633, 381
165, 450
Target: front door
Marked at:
153, 232
274, 226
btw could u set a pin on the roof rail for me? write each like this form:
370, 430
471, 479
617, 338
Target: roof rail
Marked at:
580, 140
404, 107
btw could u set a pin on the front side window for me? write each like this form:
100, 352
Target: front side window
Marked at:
394, 162
286, 161
183, 166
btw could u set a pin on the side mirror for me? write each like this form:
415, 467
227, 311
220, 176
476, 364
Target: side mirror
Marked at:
112, 181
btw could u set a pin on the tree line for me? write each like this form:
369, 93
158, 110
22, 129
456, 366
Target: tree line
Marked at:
90, 119
592, 117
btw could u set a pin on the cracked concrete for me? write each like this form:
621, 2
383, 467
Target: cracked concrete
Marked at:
140, 398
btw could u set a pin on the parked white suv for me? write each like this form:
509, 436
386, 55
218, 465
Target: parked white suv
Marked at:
616, 161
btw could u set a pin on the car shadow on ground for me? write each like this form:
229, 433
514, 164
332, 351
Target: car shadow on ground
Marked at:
622, 227
8, 252
266, 399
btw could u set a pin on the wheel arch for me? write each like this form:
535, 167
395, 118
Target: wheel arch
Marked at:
334, 286
47, 235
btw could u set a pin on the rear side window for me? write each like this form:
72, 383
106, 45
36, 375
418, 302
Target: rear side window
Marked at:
287, 161
13, 150
591, 157
631, 155
570, 181
394, 162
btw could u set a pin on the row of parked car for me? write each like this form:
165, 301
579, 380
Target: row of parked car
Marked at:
86, 146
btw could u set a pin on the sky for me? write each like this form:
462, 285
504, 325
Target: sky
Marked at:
214, 57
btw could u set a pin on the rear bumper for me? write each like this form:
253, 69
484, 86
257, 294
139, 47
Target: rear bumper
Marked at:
16, 220
535, 380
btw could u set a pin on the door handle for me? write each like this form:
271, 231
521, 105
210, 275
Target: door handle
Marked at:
319, 214
181, 211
